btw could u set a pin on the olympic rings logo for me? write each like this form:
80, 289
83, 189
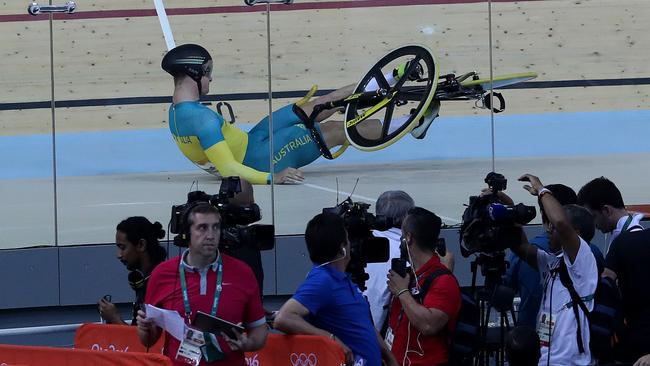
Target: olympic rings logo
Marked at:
303, 359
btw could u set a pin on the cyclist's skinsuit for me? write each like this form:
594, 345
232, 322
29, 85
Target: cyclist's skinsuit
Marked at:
219, 147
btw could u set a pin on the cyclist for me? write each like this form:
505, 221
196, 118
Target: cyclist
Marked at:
216, 146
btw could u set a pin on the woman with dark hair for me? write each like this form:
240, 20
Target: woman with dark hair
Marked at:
138, 249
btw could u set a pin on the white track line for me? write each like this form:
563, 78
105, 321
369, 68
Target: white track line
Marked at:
126, 204
367, 199
164, 24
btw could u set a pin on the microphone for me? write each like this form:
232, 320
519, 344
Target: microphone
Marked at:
499, 212
518, 213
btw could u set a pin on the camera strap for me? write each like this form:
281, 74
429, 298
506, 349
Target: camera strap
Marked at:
419, 297
427, 283
576, 302
211, 350
627, 227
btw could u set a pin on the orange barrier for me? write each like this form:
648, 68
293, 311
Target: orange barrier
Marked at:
644, 209
297, 350
38, 356
111, 337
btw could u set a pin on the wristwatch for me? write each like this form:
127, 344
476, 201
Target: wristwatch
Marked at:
544, 191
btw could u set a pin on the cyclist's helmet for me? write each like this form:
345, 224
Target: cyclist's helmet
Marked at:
189, 59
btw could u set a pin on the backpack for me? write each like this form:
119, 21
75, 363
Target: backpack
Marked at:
465, 340
605, 320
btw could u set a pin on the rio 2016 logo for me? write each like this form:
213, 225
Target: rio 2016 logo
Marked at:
303, 359
252, 361
110, 347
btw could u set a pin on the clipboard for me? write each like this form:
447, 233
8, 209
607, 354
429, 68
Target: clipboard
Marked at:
212, 324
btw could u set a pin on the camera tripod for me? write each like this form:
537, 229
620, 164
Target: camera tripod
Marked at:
493, 296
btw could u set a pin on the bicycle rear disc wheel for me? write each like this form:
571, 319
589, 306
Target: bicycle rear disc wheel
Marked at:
406, 102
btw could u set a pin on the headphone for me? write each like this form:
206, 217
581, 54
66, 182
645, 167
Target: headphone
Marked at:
137, 279
343, 251
183, 238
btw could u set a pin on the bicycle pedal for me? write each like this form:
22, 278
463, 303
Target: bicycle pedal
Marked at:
415, 75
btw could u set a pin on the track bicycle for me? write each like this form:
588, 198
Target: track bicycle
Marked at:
400, 104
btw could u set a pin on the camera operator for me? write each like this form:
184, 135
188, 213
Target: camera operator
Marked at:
563, 329
138, 249
328, 303
247, 253
421, 322
203, 279
393, 205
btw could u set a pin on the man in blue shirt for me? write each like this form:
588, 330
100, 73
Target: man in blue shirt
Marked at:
524, 279
328, 303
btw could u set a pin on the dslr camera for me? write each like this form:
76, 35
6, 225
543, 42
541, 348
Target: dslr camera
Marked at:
364, 247
236, 220
489, 226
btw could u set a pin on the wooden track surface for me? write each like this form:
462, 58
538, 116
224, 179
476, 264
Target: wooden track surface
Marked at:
120, 57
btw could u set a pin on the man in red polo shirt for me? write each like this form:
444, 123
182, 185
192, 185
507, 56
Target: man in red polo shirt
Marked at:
420, 324
203, 279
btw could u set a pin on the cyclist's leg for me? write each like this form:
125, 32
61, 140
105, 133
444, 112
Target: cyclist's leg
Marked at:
292, 148
338, 94
282, 118
334, 135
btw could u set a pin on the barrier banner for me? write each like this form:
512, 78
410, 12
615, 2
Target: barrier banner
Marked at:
297, 350
38, 356
643, 209
112, 337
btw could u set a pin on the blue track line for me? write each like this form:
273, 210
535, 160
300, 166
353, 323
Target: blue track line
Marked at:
529, 135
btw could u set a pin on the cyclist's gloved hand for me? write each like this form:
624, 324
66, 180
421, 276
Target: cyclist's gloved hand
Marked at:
288, 176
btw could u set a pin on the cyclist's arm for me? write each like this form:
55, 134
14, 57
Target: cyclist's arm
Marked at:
216, 149
222, 158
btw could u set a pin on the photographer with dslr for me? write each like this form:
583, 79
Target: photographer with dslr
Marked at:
426, 302
524, 279
138, 249
328, 303
204, 279
562, 326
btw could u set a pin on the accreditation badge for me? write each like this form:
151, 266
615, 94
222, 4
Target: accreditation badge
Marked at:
189, 351
546, 327
390, 337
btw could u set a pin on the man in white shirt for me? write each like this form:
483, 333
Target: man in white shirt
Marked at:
561, 334
394, 205
605, 203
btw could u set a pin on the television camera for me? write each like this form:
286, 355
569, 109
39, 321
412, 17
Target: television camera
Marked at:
490, 225
364, 247
236, 220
